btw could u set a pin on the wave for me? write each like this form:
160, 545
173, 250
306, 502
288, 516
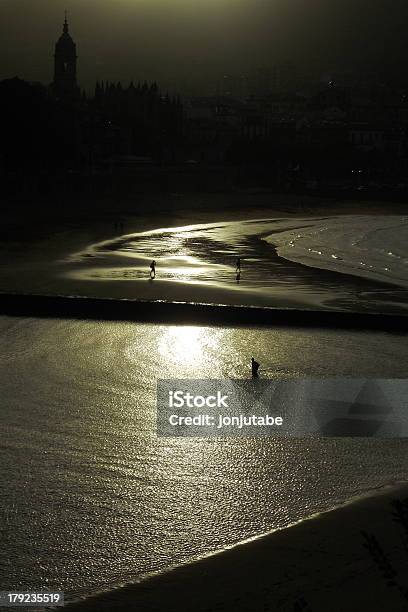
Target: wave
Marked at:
370, 247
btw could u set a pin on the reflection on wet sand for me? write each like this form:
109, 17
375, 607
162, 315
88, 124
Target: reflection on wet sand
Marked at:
206, 255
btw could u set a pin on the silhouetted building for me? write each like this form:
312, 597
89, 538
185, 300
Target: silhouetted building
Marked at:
149, 123
65, 86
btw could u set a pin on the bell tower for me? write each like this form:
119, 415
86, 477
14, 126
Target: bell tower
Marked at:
65, 66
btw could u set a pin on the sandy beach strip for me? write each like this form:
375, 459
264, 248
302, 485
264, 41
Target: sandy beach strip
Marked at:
353, 558
186, 313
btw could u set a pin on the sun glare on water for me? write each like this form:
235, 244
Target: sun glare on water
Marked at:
183, 345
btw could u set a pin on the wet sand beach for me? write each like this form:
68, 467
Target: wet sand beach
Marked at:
194, 264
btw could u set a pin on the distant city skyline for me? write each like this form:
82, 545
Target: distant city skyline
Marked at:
189, 46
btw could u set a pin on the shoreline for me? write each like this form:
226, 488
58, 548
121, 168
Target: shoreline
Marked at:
304, 563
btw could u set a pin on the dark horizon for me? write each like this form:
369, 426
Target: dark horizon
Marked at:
188, 47
292, 128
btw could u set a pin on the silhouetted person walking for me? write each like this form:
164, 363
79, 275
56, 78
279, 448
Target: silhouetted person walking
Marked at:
153, 269
238, 266
255, 367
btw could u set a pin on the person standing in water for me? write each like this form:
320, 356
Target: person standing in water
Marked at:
153, 269
255, 367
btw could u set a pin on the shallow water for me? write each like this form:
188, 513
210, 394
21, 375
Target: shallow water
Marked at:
93, 498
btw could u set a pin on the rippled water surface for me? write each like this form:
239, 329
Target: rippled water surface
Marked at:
93, 498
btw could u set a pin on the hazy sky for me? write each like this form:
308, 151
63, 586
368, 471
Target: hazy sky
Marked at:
180, 41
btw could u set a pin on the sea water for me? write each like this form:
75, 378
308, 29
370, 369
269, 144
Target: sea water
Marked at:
93, 498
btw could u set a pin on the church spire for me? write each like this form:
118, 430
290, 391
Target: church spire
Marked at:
65, 65
66, 28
